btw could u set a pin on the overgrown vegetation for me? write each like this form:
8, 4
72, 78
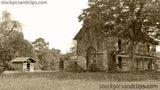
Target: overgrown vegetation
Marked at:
47, 57
73, 67
72, 81
93, 67
95, 76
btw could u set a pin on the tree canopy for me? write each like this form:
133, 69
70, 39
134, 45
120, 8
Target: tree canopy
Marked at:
118, 17
46, 56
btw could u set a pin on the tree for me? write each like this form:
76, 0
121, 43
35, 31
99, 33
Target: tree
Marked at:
56, 54
7, 24
45, 55
40, 44
135, 20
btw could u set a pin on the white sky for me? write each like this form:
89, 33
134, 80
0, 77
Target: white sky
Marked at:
56, 22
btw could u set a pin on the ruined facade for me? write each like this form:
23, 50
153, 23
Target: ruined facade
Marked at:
111, 53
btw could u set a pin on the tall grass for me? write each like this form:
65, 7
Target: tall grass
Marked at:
70, 81
98, 76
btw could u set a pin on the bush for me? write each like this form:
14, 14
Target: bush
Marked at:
1, 69
73, 67
10, 66
93, 68
6, 66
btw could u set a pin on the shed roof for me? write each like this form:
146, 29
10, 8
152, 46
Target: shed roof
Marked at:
22, 59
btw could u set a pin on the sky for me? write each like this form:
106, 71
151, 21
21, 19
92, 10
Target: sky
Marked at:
56, 22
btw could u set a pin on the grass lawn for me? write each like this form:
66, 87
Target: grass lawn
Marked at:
76, 81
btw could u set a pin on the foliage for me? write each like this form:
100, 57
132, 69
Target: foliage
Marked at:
16, 46
134, 20
46, 56
45, 59
93, 68
72, 66
12, 42
40, 44
61, 65
117, 17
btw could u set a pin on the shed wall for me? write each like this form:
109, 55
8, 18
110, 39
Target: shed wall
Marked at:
18, 65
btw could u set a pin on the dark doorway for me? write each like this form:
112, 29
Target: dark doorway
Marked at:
119, 45
28, 65
120, 62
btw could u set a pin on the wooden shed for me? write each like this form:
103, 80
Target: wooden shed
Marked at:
23, 64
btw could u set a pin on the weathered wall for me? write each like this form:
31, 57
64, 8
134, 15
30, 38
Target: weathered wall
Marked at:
31, 67
141, 64
82, 62
83, 44
125, 62
18, 66
102, 60
111, 41
145, 49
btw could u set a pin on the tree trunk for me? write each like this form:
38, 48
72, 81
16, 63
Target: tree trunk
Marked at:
132, 56
132, 49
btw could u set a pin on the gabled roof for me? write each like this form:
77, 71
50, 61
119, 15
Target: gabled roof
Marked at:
82, 31
22, 59
78, 35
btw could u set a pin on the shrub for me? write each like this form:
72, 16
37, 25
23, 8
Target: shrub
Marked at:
6, 66
72, 66
9, 66
93, 68
1, 69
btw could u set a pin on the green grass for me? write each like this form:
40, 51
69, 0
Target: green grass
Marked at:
72, 81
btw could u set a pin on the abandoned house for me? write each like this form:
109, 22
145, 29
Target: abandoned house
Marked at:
23, 64
111, 53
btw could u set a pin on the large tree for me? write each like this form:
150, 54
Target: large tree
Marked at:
45, 55
7, 25
135, 20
